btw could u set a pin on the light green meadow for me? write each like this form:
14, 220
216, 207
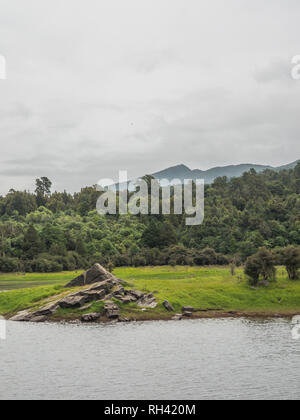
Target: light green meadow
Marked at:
201, 287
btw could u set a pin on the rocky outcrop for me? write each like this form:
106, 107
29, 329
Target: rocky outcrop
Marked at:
40, 315
103, 286
96, 274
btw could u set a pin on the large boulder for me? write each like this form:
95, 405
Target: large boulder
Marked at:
72, 302
96, 274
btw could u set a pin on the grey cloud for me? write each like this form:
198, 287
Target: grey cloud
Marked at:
141, 86
153, 60
277, 71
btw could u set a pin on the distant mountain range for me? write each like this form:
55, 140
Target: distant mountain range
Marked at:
182, 172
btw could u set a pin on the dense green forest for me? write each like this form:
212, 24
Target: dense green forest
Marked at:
44, 231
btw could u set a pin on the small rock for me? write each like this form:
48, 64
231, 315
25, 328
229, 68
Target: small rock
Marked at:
124, 320
177, 317
187, 314
111, 310
113, 313
119, 291
90, 317
131, 295
187, 309
148, 301
137, 294
125, 299
168, 306
41, 318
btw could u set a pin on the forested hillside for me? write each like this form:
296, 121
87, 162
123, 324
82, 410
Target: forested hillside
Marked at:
46, 231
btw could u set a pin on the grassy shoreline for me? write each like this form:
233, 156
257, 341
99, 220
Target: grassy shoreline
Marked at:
212, 291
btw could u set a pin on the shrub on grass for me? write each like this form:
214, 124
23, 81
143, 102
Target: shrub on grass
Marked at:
261, 266
291, 260
10, 265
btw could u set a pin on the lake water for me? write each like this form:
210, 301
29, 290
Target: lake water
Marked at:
201, 359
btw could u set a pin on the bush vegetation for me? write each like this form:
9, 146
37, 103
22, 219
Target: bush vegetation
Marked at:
51, 232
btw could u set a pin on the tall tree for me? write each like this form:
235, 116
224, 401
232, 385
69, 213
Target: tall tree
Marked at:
42, 190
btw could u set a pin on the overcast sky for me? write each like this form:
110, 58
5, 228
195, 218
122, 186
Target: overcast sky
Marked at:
96, 86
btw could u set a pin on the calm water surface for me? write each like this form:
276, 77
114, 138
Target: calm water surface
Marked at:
203, 359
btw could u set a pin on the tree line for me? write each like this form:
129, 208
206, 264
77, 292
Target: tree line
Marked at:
48, 231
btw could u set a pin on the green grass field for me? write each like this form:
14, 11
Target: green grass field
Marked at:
20, 281
202, 288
